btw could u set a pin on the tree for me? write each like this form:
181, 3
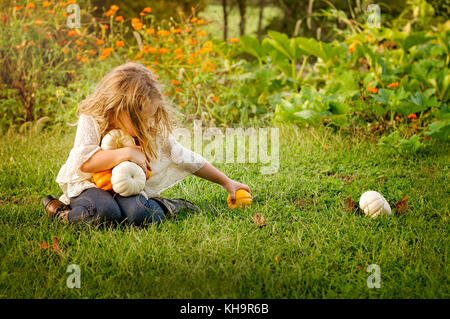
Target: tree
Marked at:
260, 19
225, 19
242, 4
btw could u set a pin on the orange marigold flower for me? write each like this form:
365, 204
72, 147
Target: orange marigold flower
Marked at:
206, 50
200, 21
163, 50
100, 42
17, 8
80, 43
105, 26
188, 30
119, 43
147, 9
211, 69
178, 90
150, 31
194, 20
398, 119
85, 58
109, 13
163, 32
177, 30
142, 14
412, 116
30, 5
92, 52
62, 4
190, 61
179, 57
234, 40
66, 51
137, 24
155, 63
175, 82
351, 49
38, 22
119, 18
72, 33
107, 51
201, 33
114, 7
192, 41
51, 11
394, 84
71, 2
102, 57
372, 89
215, 99
178, 51
45, 4
181, 104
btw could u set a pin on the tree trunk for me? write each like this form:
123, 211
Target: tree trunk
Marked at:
261, 9
225, 20
242, 11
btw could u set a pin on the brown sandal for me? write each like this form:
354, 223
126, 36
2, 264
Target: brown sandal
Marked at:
55, 208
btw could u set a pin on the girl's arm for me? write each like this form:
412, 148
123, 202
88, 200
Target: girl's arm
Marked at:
107, 159
212, 174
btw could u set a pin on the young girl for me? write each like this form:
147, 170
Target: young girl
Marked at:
128, 98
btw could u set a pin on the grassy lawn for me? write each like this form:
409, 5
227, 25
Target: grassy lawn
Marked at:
310, 248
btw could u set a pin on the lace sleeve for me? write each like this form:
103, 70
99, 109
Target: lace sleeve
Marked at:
87, 142
183, 157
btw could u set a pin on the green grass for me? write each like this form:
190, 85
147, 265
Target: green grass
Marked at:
220, 253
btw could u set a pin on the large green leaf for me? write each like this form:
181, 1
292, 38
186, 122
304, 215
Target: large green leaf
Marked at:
252, 46
439, 130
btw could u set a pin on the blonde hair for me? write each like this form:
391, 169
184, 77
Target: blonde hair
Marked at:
127, 88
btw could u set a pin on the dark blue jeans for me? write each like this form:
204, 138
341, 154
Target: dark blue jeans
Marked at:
95, 205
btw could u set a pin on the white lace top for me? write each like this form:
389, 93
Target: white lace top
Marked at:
174, 162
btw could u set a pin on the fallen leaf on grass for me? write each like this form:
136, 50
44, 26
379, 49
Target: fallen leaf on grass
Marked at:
402, 205
43, 245
277, 258
349, 204
360, 268
259, 220
54, 247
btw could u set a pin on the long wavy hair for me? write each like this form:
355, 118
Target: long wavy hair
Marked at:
128, 88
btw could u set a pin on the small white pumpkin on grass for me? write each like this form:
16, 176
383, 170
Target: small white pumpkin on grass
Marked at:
128, 179
374, 204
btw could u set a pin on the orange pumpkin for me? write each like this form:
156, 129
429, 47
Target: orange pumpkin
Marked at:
243, 198
103, 179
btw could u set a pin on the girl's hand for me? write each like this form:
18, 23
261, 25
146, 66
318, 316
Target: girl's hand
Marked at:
136, 155
232, 186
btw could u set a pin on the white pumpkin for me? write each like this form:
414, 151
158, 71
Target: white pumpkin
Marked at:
374, 204
116, 139
128, 179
